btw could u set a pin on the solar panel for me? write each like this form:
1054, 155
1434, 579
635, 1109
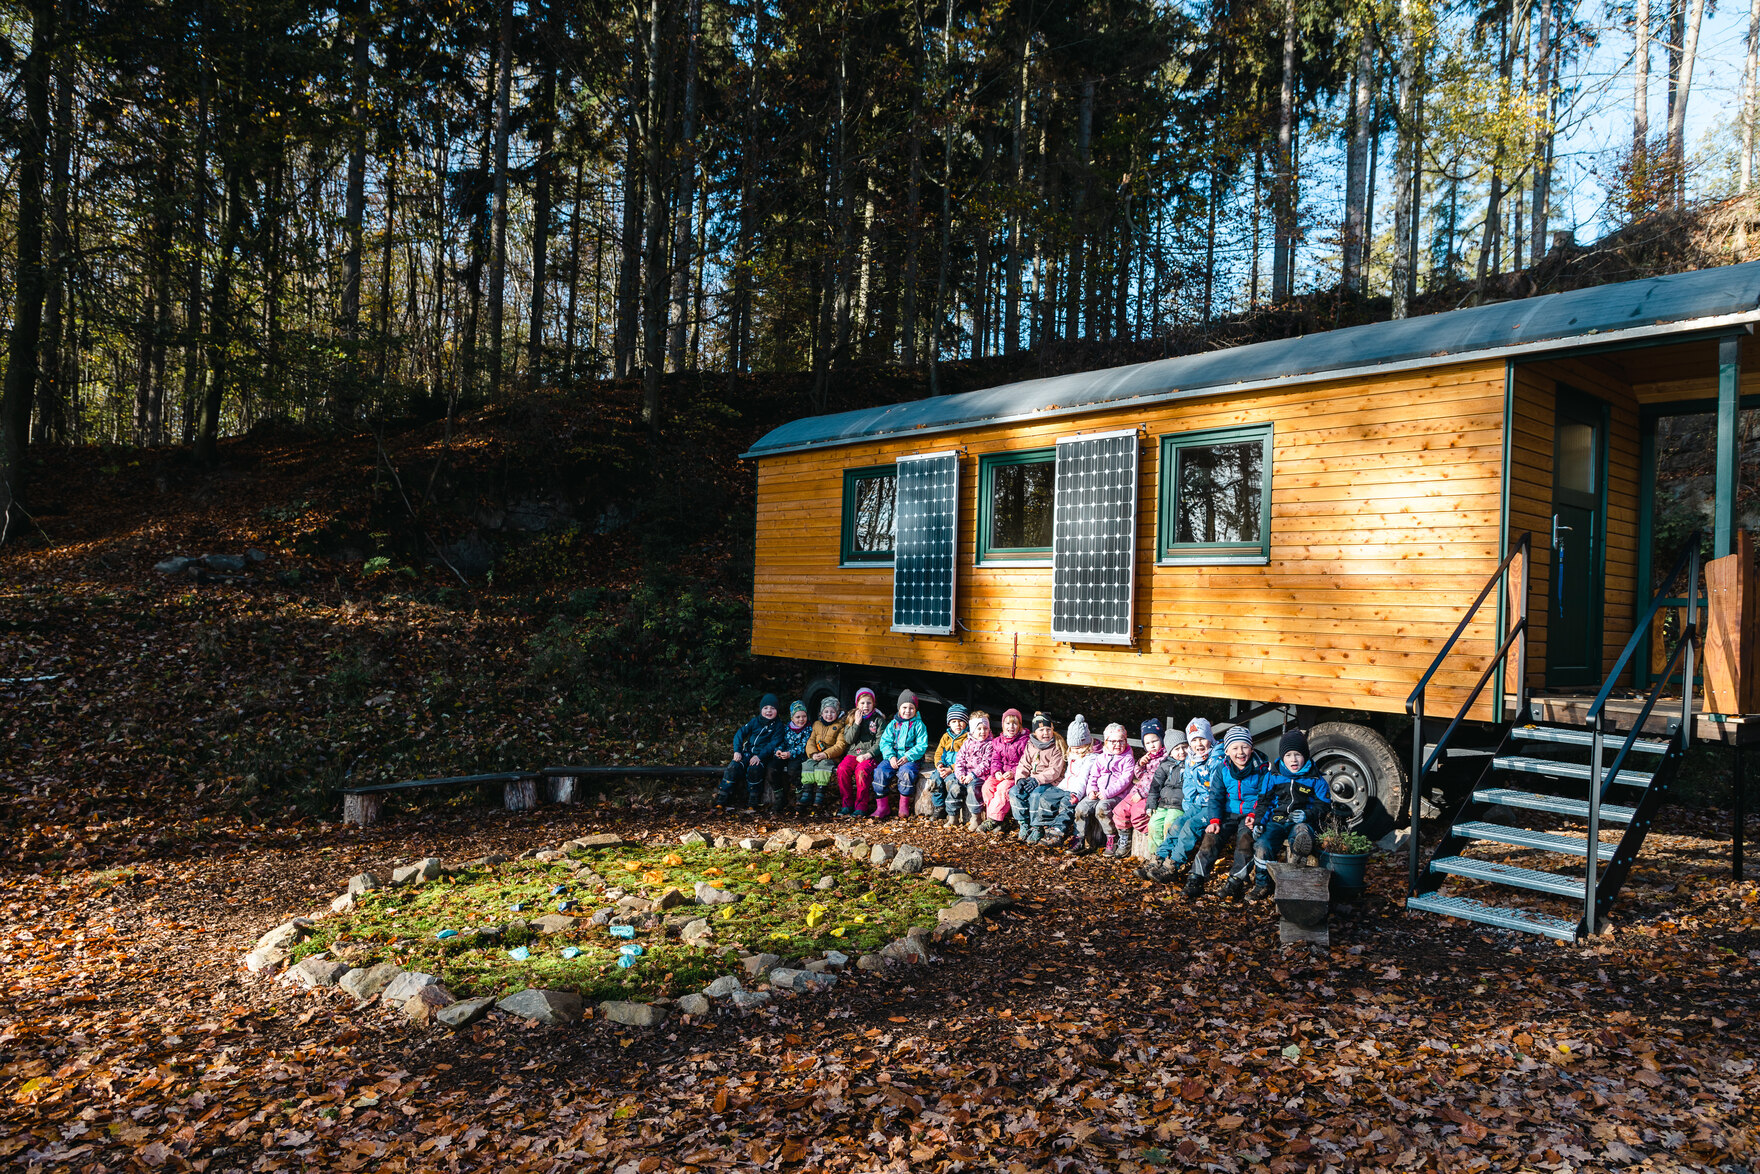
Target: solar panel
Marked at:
924, 544
1094, 539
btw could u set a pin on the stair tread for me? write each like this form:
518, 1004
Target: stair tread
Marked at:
1552, 768
1492, 872
1556, 804
1574, 737
1501, 916
1525, 838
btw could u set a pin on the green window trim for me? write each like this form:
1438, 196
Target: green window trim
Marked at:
848, 555
1007, 555
1175, 553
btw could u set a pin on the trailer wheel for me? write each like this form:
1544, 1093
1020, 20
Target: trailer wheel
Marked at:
816, 692
1365, 775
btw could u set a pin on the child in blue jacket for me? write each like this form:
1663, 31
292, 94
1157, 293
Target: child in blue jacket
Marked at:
752, 747
1245, 776
902, 746
782, 774
1200, 802
1291, 810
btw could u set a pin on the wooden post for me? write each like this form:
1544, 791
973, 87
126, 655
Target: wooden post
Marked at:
1729, 623
521, 796
562, 789
361, 810
1304, 901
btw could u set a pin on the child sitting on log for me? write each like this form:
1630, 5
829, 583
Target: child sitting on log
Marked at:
903, 743
861, 736
824, 751
1291, 810
1005, 755
971, 767
1041, 768
1200, 800
941, 764
1165, 804
1053, 806
752, 746
1131, 817
1244, 777
782, 774
1109, 782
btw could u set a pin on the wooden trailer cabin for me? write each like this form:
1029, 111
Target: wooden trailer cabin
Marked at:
1306, 522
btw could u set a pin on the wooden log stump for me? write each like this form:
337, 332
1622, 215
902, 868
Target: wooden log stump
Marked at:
1141, 848
562, 789
1304, 899
521, 796
362, 810
923, 803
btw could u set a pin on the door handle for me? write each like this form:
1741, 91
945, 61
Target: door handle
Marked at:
1557, 530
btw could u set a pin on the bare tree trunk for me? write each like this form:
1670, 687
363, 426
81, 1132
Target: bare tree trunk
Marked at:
543, 204
1641, 80
654, 284
938, 310
1491, 243
480, 220
1078, 216
683, 236
1283, 189
498, 254
1543, 148
629, 270
52, 403
207, 444
1012, 311
32, 141
345, 395
193, 310
1750, 84
1356, 228
386, 245
574, 269
1258, 217
1405, 197
913, 202
1683, 89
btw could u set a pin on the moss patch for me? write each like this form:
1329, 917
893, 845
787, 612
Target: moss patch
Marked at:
868, 908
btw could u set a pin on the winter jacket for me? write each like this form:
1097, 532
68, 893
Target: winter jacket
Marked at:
1077, 774
1166, 786
1113, 775
827, 739
1305, 792
906, 741
1143, 773
861, 735
794, 740
975, 758
1242, 786
759, 736
1045, 767
1008, 752
948, 748
1201, 784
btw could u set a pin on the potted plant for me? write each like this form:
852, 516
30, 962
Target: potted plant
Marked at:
1347, 855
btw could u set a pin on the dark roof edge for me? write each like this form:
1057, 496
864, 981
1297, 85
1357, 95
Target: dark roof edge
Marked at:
1710, 325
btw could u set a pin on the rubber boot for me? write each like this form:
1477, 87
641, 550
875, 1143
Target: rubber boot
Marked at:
1124, 845
882, 807
1111, 846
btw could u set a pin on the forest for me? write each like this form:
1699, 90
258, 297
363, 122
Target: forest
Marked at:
225, 211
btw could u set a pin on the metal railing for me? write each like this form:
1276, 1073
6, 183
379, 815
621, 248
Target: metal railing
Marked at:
1415, 702
1688, 560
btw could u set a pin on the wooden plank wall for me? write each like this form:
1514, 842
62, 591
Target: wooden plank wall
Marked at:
1385, 497
1530, 504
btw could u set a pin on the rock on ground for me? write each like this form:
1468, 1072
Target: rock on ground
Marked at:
425, 869
318, 972
286, 934
362, 882
968, 888
801, 981
857, 850
692, 1005
551, 1008
407, 983
973, 909
464, 1012
807, 842
364, 984
752, 844
836, 959
906, 950
342, 904
693, 838
882, 853
697, 932
672, 898
748, 1001
422, 1005
602, 840
633, 1014
758, 965
870, 962
723, 987
909, 860
708, 894
555, 923
825, 882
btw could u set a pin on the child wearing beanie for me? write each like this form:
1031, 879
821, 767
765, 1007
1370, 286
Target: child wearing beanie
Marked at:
753, 744
1131, 817
1200, 801
903, 743
1109, 783
1244, 777
1006, 754
1052, 807
782, 774
941, 764
824, 751
1291, 810
971, 767
861, 738
1164, 801
1040, 770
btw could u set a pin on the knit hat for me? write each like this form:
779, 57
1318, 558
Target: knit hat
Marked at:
831, 701
1119, 732
1079, 734
1294, 740
906, 697
956, 712
768, 701
871, 697
1174, 738
1016, 714
1240, 734
1152, 726
983, 719
795, 707
1199, 727
1041, 718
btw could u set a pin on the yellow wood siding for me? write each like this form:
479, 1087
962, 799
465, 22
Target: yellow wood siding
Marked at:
1385, 497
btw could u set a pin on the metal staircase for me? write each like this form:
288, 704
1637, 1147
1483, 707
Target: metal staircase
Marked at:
1561, 772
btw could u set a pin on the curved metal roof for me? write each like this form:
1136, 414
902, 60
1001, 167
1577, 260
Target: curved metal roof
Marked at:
1675, 303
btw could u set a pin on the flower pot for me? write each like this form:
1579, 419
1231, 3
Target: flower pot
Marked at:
1348, 867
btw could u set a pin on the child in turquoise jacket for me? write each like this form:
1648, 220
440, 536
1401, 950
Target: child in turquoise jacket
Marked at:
902, 746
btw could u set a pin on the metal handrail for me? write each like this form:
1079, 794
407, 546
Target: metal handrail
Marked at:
1687, 646
1415, 701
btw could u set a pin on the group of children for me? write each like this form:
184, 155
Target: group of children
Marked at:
1190, 795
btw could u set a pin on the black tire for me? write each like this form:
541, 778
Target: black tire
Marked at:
1366, 776
816, 691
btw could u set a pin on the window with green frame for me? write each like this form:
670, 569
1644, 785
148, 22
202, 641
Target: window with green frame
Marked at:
1015, 495
1216, 496
870, 497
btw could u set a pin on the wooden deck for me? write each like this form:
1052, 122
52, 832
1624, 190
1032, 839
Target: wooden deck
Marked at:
1573, 709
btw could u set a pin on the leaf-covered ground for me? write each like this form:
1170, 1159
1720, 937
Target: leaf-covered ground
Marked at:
781, 911
1099, 1026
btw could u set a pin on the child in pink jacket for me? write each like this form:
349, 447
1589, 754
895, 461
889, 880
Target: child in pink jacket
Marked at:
1109, 783
971, 766
1131, 817
1006, 755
